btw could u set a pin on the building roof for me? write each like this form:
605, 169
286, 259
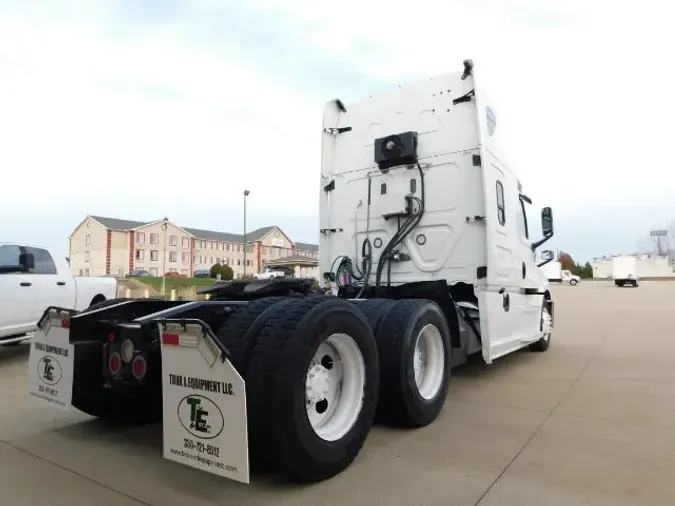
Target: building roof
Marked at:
117, 224
208, 235
305, 246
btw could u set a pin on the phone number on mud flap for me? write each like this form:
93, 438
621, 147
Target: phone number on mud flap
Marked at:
46, 390
211, 450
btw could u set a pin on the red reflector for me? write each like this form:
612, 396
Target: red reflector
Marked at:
115, 363
139, 367
171, 339
111, 337
65, 324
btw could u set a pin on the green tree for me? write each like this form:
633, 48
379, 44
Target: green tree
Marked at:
226, 273
215, 270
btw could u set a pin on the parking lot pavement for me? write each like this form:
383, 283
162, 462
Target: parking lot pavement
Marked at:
590, 422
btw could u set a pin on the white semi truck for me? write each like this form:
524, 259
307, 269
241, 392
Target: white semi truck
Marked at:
428, 256
556, 274
624, 270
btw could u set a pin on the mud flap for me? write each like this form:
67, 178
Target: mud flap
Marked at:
50, 364
204, 403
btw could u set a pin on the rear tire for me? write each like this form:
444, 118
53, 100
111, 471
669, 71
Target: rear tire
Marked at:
411, 396
303, 437
240, 331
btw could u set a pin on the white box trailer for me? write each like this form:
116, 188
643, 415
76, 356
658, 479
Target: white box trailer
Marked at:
428, 258
624, 270
556, 274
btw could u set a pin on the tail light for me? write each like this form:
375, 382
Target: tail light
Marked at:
139, 367
65, 324
115, 363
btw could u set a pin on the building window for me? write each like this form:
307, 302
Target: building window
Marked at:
140, 254
501, 210
214, 245
154, 238
140, 238
173, 256
172, 269
217, 260
153, 271
120, 271
173, 240
238, 261
227, 247
154, 255
86, 256
248, 263
86, 272
185, 272
238, 248
185, 257
81, 271
87, 240
186, 242
203, 244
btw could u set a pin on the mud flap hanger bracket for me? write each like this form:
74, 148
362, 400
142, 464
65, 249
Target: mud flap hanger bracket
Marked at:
59, 312
206, 329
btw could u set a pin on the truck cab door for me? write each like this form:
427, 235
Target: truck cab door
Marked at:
16, 294
509, 314
53, 288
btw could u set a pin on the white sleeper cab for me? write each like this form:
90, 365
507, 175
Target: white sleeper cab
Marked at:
426, 257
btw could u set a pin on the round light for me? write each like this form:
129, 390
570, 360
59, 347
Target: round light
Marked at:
139, 367
127, 350
115, 363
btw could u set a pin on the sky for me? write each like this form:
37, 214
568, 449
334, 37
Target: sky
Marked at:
142, 109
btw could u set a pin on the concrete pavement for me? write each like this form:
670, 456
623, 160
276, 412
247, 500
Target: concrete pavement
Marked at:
589, 422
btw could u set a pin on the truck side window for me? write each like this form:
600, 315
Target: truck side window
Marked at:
43, 261
523, 220
9, 255
501, 211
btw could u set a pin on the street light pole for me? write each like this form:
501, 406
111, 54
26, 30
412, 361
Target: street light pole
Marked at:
246, 194
164, 227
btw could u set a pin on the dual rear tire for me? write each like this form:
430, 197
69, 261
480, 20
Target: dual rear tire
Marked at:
319, 371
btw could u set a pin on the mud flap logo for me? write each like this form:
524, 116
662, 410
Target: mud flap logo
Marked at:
200, 416
49, 370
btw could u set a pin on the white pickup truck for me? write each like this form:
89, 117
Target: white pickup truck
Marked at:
32, 280
269, 274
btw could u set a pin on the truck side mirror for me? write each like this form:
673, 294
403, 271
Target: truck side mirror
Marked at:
546, 227
546, 256
547, 222
26, 262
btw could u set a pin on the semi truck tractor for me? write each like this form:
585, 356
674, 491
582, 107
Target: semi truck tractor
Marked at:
426, 258
624, 271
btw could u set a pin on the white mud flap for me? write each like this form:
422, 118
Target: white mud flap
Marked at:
204, 404
50, 366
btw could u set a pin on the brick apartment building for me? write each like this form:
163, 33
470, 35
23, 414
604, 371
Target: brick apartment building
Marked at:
101, 246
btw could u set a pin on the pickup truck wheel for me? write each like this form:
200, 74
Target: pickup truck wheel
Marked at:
240, 331
573, 282
313, 382
547, 326
414, 346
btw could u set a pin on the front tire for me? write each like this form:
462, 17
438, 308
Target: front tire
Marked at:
300, 422
573, 282
547, 327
